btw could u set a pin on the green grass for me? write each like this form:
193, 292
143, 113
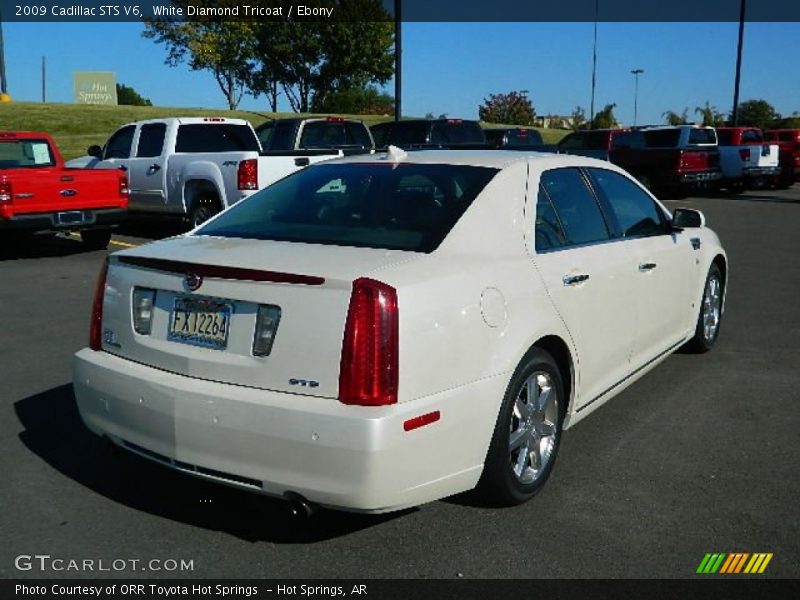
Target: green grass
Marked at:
75, 127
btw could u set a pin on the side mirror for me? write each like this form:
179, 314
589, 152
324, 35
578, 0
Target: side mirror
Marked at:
687, 217
95, 151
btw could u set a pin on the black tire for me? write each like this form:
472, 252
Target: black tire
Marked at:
503, 482
96, 239
702, 341
202, 210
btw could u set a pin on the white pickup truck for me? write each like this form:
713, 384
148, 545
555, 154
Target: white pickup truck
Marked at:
746, 160
194, 167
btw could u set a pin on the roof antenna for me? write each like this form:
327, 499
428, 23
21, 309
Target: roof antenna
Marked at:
395, 154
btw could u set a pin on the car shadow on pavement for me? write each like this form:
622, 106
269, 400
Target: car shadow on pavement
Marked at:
54, 432
40, 247
151, 228
758, 196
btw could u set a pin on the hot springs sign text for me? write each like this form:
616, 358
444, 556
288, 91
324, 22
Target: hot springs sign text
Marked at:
95, 87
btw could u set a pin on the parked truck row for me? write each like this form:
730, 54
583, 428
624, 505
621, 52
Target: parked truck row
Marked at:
193, 168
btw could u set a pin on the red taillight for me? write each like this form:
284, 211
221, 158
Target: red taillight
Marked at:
5, 190
96, 323
6, 195
744, 153
247, 176
368, 371
334, 119
124, 190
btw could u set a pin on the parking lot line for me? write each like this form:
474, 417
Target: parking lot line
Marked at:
123, 244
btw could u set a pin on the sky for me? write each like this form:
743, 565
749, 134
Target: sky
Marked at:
449, 68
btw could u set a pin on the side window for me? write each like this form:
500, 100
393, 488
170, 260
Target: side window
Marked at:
151, 140
548, 231
283, 138
264, 134
576, 206
119, 146
636, 213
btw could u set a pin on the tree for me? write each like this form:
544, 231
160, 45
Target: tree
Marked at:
673, 118
578, 118
354, 101
605, 118
129, 96
224, 47
711, 116
513, 108
311, 59
757, 113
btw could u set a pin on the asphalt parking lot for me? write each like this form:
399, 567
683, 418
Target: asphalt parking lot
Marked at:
699, 456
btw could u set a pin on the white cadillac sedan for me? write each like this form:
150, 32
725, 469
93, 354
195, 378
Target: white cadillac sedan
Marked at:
381, 331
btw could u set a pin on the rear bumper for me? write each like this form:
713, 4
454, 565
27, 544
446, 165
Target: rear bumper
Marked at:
700, 176
761, 172
88, 219
356, 458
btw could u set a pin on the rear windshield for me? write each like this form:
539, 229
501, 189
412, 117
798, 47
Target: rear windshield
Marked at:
702, 136
213, 137
457, 132
397, 207
724, 138
330, 134
21, 154
414, 132
586, 140
523, 137
662, 138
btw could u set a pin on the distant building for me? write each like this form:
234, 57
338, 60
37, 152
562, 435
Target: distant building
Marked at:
553, 121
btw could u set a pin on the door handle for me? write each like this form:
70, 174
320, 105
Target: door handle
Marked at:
301, 162
574, 279
644, 267
154, 168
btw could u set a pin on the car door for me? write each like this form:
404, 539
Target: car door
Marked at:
147, 169
590, 278
664, 269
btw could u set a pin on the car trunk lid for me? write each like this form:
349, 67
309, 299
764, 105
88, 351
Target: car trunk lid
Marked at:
303, 289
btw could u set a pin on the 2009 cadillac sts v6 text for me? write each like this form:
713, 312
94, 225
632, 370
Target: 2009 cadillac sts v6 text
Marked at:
380, 331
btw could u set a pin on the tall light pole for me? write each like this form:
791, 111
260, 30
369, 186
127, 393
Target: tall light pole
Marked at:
594, 65
398, 61
3, 84
735, 113
636, 73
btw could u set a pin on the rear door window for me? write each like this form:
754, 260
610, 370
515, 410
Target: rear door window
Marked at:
215, 137
576, 206
549, 233
151, 140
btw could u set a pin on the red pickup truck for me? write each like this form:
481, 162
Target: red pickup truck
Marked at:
37, 193
670, 161
788, 141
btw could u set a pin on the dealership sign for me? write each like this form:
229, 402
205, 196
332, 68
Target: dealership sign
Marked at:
95, 87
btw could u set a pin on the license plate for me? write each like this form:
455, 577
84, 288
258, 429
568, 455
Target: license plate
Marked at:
72, 217
200, 322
